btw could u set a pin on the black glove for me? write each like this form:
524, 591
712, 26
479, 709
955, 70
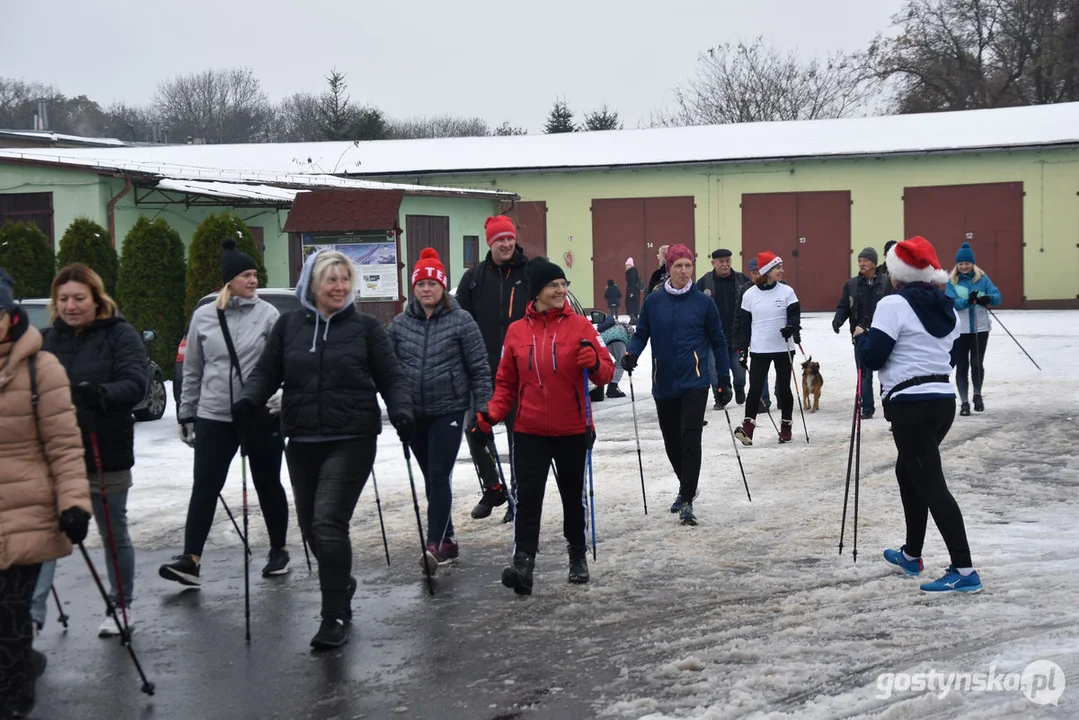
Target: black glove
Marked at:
629, 363
797, 335
725, 395
87, 396
972, 298
983, 300
404, 424
75, 522
786, 331
243, 410
743, 359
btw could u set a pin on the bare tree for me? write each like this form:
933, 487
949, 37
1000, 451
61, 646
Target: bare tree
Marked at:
506, 129
758, 82
962, 54
220, 106
297, 118
602, 119
438, 126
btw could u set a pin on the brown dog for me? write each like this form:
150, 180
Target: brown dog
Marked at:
812, 381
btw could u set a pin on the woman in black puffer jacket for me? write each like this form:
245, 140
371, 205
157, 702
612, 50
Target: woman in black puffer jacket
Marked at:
442, 355
105, 360
330, 359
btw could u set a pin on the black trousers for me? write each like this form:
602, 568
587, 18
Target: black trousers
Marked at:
918, 428
485, 466
681, 420
970, 357
327, 478
533, 457
216, 444
16, 633
435, 443
758, 378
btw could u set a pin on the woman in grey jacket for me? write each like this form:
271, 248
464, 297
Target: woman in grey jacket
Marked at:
211, 384
442, 355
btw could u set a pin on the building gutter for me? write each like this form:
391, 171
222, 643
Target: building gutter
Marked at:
128, 187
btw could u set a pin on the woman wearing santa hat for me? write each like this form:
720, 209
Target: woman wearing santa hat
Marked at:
441, 353
910, 343
769, 319
542, 370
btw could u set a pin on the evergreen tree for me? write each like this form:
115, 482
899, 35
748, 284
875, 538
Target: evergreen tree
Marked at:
204, 256
88, 243
335, 111
560, 119
602, 119
152, 286
27, 257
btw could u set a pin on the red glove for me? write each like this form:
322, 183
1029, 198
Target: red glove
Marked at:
483, 424
588, 358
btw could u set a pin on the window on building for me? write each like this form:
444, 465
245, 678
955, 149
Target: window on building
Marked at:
33, 208
472, 250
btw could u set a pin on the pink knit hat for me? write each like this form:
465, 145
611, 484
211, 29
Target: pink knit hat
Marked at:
629, 262
676, 253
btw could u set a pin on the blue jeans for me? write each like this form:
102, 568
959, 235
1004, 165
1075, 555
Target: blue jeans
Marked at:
737, 371
618, 351
39, 605
125, 553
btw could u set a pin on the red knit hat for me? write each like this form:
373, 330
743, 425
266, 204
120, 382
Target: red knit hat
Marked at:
767, 261
915, 260
499, 227
430, 268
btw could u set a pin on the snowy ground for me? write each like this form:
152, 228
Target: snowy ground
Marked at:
753, 613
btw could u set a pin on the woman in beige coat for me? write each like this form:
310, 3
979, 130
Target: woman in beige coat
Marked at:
44, 491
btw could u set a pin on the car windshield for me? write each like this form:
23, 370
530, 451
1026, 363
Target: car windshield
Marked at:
38, 315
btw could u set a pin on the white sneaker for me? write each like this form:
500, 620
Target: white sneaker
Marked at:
108, 625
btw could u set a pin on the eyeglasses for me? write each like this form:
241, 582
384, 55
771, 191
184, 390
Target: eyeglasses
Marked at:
558, 285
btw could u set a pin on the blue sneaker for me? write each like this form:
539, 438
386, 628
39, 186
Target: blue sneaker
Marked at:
954, 582
910, 567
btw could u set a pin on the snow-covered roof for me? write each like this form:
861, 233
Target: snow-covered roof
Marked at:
998, 129
110, 161
47, 136
233, 191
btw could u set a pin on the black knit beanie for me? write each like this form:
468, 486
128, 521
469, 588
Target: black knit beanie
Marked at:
234, 262
538, 272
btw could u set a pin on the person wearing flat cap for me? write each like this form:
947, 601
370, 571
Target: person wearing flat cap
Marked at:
725, 286
856, 307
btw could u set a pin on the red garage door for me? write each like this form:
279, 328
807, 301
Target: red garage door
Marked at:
530, 219
989, 217
811, 232
635, 227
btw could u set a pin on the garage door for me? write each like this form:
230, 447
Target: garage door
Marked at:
530, 219
635, 227
811, 232
988, 216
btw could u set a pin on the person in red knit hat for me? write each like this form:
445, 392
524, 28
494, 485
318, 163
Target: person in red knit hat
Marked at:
911, 344
441, 352
495, 293
543, 363
769, 319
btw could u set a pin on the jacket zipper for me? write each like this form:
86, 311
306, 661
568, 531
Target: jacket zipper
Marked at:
423, 362
655, 369
696, 363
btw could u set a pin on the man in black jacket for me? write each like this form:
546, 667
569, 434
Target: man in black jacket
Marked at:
857, 305
495, 293
725, 286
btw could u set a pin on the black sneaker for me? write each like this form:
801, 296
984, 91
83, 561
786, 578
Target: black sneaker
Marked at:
740, 396
183, 570
687, 517
867, 414
578, 564
491, 499
332, 633
277, 563
964, 409
614, 393
979, 406
716, 405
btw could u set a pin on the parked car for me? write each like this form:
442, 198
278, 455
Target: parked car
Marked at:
152, 406
284, 299
596, 316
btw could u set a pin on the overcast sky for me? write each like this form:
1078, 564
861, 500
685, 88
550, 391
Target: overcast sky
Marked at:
499, 61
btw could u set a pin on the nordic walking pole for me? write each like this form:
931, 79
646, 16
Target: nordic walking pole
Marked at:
124, 636
1012, 337
637, 435
850, 455
247, 556
419, 525
306, 552
492, 451
234, 523
110, 609
61, 616
378, 503
587, 429
801, 410
857, 471
738, 455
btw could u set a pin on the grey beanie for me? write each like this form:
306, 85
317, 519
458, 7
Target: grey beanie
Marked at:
869, 254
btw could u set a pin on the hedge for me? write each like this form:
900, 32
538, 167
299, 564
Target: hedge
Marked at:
204, 256
88, 243
26, 255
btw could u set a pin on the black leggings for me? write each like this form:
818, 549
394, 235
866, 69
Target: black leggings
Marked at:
16, 632
918, 428
758, 378
970, 355
681, 420
327, 478
216, 444
533, 456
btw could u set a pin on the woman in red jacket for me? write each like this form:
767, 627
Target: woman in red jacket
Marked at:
544, 359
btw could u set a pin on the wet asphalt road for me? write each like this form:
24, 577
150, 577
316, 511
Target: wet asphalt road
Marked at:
473, 651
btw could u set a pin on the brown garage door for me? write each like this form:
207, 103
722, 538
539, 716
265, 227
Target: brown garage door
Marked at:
811, 232
427, 231
989, 217
635, 227
530, 219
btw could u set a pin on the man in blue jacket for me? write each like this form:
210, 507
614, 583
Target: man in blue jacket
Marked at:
684, 327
